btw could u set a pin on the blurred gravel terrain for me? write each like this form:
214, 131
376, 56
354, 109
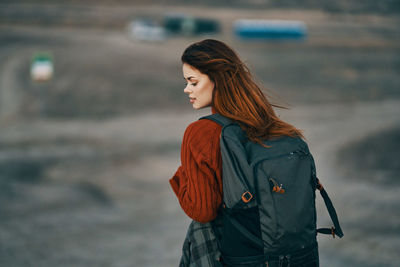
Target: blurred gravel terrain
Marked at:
377, 152
85, 158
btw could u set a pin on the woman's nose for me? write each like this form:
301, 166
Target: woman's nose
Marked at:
186, 90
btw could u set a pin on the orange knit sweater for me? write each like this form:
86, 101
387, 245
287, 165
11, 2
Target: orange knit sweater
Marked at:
198, 181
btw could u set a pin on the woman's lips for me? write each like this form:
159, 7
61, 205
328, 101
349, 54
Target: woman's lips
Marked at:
192, 99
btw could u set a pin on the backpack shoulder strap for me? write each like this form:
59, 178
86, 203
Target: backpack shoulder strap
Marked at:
218, 118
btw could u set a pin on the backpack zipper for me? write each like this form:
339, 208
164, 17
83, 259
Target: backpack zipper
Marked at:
295, 152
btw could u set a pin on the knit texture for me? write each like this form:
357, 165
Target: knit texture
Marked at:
198, 181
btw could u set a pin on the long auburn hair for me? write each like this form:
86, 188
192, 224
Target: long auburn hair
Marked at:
236, 95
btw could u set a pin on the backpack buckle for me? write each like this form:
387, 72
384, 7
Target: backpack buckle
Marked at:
247, 196
319, 185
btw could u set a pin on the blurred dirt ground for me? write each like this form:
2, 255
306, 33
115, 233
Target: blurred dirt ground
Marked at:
85, 158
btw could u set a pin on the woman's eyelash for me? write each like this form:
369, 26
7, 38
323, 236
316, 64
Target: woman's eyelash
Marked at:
194, 84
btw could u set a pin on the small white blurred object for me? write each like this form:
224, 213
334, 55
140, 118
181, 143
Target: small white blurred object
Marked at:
42, 67
146, 30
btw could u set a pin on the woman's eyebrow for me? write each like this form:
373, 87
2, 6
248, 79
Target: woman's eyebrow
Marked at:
188, 78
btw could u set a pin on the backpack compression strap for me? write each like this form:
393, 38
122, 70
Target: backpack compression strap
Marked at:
336, 230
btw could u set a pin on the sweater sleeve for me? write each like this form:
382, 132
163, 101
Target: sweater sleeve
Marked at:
197, 182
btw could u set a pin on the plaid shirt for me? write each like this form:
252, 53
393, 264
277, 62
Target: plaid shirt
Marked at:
200, 247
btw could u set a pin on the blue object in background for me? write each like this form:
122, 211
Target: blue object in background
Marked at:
269, 29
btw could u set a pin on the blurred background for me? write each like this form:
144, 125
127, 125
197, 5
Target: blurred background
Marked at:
92, 113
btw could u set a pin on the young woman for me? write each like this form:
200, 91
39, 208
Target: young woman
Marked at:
216, 78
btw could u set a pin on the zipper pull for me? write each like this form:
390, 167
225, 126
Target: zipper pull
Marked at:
276, 188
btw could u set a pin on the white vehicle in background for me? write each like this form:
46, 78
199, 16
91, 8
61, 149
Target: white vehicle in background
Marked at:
146, 30
42, 68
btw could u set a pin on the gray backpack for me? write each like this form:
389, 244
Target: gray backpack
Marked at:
268, 211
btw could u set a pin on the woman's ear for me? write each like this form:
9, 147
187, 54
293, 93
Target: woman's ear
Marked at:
213, 84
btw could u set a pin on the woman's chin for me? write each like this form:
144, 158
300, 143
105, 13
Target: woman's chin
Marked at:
200, 106
196, 106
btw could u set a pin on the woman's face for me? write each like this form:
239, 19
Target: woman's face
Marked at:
199, 87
